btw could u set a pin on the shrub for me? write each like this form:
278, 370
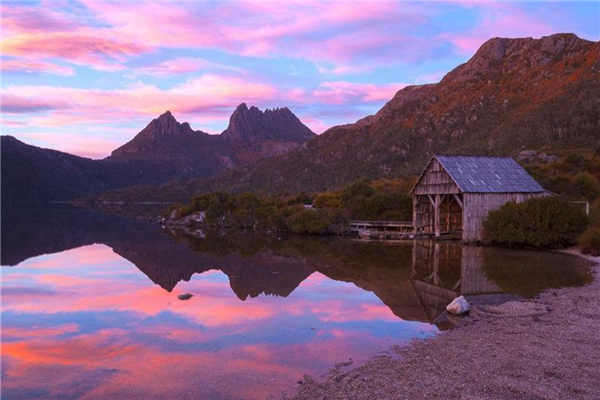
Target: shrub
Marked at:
548, 222
574, 161
307, 221
302, 198
328, 200
386, 206
587, 185
590, 240
355, 191
527, 273
217, 203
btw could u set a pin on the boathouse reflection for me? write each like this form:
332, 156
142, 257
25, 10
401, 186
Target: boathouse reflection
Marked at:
442, 271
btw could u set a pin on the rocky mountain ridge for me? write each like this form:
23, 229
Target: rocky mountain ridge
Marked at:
163, 151
278, 124
512, 95
162, 127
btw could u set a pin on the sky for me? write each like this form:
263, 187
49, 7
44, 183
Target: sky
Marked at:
85, 76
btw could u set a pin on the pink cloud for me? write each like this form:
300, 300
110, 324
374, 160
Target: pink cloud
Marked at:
96, 143
313, 30
212, 96
349, 38
18, 103
344, 69
12, 122
35, 33
316, 125
29, 18
91, 49
38, 331
259, 370
183, 65
203, 93
501, 19
32, 67
341, 92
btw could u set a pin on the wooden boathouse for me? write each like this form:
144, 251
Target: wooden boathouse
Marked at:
454, 194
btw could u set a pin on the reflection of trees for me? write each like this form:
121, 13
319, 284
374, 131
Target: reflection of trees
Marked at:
415, 280
528, 273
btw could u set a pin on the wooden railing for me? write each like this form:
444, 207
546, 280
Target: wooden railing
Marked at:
382, 225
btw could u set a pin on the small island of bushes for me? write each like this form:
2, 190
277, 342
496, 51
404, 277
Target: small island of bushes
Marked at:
321, 213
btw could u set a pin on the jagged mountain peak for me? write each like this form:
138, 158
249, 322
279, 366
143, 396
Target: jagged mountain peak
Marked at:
165, 127
277, 124
166, 115
166, 124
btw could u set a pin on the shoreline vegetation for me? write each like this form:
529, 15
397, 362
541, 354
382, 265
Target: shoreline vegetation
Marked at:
545, 348
548, 223
325, 213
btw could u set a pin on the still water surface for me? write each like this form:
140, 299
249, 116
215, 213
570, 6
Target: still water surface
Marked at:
90, 308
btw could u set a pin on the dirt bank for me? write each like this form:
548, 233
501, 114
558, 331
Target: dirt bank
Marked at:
546, 350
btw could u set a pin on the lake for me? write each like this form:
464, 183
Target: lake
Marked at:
90, 307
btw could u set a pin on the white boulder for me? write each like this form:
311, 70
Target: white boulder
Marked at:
459, 305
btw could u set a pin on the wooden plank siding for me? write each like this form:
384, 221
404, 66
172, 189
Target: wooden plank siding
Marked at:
435, 207
477, 206
435, 180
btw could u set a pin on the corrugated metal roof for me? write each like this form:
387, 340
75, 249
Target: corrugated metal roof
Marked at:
478, 174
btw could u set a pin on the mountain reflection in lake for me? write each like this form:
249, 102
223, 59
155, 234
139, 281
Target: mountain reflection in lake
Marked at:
80, 321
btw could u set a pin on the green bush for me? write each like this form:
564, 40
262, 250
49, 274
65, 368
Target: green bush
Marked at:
328, 200
361, 201
356, 192
590, 240
302, 198
548, 222
587, 185
384, 200
307, 221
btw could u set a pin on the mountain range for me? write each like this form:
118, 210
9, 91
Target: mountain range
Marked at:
512, 95
164, 150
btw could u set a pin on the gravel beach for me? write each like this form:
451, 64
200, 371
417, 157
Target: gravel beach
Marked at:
547, 348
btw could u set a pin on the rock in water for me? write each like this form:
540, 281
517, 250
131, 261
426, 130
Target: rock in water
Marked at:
459, 305
185, 296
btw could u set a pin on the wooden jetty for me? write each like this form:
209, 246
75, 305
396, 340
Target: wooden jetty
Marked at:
382, 226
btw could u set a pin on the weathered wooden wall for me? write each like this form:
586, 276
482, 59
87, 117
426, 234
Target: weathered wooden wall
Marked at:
449, 212
435, 180
477, 206
423, 216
